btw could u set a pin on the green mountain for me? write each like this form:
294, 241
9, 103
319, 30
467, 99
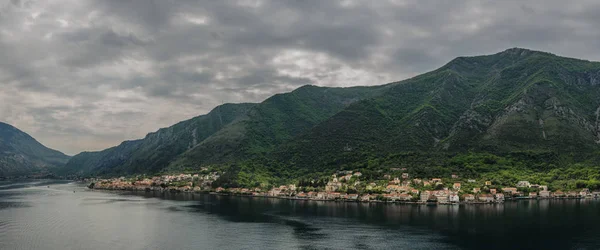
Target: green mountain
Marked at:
516, 100
157, 149
227, 134
20, 154
271, 123
535, 108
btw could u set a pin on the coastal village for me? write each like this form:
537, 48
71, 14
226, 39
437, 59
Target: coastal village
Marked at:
348, 186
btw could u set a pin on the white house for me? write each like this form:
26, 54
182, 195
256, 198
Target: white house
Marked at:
453, 197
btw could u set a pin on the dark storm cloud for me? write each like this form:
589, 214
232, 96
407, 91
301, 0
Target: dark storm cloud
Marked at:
86, 74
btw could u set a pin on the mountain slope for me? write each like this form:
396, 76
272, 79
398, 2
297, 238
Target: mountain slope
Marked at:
20, 154
157, 149
511, 101
229, 133
272, 122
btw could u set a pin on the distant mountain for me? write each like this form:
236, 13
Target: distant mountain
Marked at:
514, 101
157, 149
20, 154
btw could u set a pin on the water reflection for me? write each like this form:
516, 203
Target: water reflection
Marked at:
548, 224
33, 216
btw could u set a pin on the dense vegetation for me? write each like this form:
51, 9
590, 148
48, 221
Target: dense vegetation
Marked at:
544, 168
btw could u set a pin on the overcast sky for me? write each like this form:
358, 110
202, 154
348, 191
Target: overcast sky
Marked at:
85, 75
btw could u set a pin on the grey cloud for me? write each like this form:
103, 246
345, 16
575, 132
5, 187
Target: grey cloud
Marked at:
177, 76
87, 74
152, 15
177, 82
527, 9
414, 59
101, 36
110, 38
268, 76
317, 25
92, 46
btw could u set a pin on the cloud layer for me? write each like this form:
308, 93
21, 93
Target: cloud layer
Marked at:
85, 75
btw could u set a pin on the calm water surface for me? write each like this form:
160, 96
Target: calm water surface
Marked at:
35, 216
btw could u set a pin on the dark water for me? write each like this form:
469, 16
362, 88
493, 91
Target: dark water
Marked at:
33, 216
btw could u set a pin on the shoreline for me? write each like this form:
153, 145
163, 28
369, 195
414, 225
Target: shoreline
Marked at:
428, 203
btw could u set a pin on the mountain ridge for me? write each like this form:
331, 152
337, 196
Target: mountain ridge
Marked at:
21, 154
133, 155
251, 131
485, 99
